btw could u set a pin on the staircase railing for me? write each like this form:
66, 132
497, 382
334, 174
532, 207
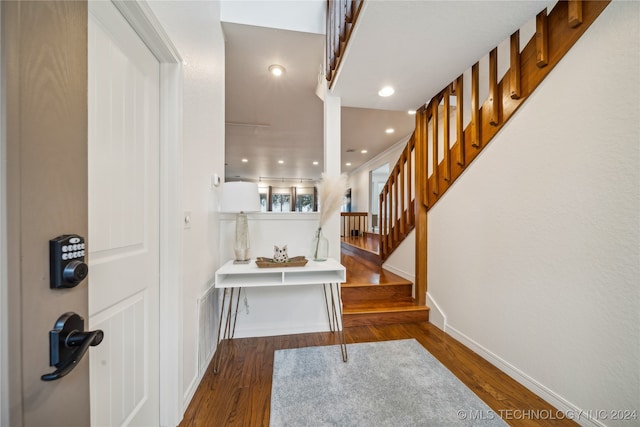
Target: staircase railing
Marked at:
454, 126
341, 17
354, 223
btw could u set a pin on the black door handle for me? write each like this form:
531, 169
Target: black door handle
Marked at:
68, 342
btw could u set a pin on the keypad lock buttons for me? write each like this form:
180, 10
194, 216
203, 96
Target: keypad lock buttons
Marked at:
67, 261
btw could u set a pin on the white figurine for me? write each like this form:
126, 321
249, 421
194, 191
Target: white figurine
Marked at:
280, 254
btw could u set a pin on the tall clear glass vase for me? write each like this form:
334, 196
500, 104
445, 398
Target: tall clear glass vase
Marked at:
319, 247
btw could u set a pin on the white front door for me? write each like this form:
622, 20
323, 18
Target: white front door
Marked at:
123, 221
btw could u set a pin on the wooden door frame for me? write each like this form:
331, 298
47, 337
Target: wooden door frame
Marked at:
144, 22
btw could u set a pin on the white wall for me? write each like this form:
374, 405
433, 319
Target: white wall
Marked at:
307, 16
194, 28
534, 253
359, 178
277, 310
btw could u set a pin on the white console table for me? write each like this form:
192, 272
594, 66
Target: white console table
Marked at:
233, 277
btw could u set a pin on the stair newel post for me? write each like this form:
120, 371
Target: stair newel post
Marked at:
421, 203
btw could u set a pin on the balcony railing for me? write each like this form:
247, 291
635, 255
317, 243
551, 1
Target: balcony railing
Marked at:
341, 17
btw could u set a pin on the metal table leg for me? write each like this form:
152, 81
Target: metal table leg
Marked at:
229, 326
335, 317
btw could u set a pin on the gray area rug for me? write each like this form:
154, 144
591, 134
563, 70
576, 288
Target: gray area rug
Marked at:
388, 383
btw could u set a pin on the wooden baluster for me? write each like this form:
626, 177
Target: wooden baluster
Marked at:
495, 97
395, 208
336, 35
434, 146
475, 106
459, 118
421, 156
575, 13
514, 71
348, 15
408, 151
447, 149
327, 51
387, 212
403, 221
382, 218
542, 39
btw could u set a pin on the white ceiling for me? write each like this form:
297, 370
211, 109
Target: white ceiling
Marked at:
418, 47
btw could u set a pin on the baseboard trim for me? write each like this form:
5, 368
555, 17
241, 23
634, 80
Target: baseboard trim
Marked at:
191, 391
436, 315
404, 274
570, 410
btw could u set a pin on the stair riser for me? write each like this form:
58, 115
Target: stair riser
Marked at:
368, 319
359, 295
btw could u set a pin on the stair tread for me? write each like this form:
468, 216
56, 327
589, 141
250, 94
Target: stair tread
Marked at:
384, 307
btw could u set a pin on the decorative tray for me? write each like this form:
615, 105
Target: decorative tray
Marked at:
298, 261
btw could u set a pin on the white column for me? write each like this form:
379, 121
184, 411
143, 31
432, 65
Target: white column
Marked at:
332, 158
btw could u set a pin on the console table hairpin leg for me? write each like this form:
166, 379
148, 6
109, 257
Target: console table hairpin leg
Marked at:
229, 329
335, 316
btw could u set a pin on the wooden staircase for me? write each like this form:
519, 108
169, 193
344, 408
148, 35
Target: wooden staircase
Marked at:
452, 128
372, 295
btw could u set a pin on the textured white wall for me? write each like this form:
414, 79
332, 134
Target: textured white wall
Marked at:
534, 253
194, 28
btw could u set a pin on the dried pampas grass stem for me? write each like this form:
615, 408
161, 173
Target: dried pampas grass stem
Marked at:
331, 190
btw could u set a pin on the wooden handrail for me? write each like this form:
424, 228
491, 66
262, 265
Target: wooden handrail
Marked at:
555, 34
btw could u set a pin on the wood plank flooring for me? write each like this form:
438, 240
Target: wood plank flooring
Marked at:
240, 394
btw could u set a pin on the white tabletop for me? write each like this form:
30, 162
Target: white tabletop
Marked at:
232, 275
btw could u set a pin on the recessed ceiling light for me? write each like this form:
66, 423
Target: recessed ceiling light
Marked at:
245, 160
347, 164
390, 130
412, 112
281, 161
315, 163
276, 70
363, 151
386, 91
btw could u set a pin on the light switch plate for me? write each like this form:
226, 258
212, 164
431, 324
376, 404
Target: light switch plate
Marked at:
215, 180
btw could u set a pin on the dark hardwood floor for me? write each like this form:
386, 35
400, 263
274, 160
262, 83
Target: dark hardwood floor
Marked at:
240, 394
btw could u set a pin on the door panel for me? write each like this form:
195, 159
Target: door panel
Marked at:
45, 55
123, 221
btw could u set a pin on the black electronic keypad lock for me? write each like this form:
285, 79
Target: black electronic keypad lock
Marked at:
66, 261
